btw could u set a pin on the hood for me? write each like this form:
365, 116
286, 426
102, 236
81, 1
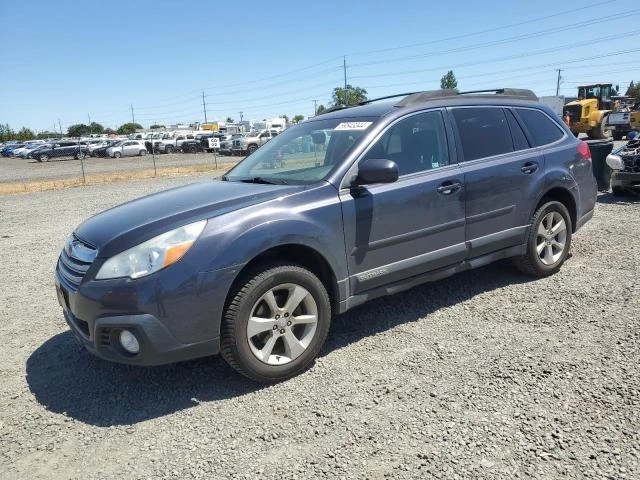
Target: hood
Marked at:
136, 221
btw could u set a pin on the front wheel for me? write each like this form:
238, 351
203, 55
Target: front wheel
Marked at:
79, 156
43, 158
251, 149
168, 149
617, 191
275, 323
548, 241
117, 155
142, 153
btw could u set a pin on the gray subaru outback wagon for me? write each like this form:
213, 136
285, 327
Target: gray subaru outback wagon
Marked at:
347, 206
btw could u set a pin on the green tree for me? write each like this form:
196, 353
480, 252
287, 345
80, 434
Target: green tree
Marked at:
449, 81
47, 134
351, 96
321, 109
633, 90
96, 128
156, 126
6, 133
25, 134
298, 118
78, 130
229, 120
128, 128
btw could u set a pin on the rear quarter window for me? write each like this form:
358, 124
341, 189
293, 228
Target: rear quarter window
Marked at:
542, 129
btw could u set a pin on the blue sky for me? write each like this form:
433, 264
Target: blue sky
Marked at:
68, 60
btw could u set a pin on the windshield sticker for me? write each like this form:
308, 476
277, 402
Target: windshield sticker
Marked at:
353, 126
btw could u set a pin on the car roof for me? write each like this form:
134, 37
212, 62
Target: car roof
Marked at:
434, 99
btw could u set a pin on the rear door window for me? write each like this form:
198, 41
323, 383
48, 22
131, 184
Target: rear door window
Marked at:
542, 129
520, 141
483, 132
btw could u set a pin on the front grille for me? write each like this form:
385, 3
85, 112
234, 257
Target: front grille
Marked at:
74, 261
575, 112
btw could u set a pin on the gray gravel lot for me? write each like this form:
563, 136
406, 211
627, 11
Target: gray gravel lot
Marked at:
20, 170
488, 374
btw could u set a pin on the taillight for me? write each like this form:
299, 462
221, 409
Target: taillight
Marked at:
583, 150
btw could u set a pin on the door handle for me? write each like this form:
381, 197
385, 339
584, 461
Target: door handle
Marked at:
529, 167
449, 187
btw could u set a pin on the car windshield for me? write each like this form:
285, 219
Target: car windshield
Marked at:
306, 153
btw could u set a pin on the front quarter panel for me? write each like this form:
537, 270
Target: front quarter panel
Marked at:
311, 217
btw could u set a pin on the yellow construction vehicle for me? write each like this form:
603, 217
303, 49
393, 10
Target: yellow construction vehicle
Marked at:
588, 113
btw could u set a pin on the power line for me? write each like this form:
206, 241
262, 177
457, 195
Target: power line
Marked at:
510, 57
503, 41
571, 11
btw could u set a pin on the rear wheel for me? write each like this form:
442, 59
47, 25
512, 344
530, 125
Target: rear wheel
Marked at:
117, 155
275, 323
548, 241
617, 191
168, 149
251, 149
142, 153
43, 158
79, 156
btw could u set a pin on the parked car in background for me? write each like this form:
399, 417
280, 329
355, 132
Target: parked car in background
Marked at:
25, 148
28, 152
8, 149
60, 150
226, 143
625, 163
127, 148
101, 151
251, 142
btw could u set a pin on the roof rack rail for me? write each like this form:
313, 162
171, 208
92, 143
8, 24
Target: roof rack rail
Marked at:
420, 97
365, 102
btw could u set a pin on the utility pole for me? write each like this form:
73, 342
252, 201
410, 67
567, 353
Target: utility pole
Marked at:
133, 118
60, 125
346, 93
558, 82
90, 129
315, 107
240, 116
204, 107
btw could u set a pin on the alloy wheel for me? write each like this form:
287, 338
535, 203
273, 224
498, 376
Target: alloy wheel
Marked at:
551, 238
282, 324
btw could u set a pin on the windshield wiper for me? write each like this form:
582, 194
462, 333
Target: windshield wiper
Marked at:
263, 180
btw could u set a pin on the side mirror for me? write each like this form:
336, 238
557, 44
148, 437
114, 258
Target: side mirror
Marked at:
376, 170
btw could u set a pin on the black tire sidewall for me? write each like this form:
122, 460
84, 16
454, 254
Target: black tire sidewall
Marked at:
533, 235
278, 276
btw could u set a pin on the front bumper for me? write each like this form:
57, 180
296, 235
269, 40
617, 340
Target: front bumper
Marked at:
627, 180
174, 315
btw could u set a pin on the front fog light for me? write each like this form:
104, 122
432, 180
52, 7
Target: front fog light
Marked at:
129, 342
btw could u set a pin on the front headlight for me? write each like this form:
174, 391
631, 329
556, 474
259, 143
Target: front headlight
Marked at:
152, 255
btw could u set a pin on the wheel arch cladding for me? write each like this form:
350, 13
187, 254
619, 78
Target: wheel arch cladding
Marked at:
298, 254
565, 197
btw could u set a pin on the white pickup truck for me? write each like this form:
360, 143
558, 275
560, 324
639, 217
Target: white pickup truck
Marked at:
250, 143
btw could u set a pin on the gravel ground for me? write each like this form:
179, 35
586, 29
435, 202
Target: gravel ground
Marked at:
19, 170
488, 374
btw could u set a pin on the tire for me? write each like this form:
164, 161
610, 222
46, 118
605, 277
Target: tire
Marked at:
617, 135
600, 131
79, 156
168, 149
43, 158
548, 261
617, 191
276, 362
117, 155
251, 149
142, 153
